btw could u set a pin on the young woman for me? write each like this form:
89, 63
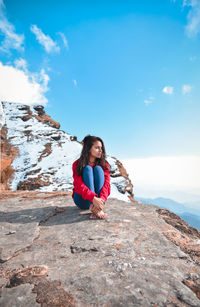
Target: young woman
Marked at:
91, 173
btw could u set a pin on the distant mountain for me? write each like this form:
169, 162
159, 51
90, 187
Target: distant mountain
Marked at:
189, 214
164, 203
37, 155
194, 204
192, 219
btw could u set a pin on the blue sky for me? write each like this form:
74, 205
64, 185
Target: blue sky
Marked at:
127, 71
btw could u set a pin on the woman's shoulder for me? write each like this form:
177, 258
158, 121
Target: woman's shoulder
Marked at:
75, 163
107, 164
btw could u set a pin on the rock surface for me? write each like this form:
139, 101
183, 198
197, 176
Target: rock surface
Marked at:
52, 254
7, 156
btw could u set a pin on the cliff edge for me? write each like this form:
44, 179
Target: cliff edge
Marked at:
52, 254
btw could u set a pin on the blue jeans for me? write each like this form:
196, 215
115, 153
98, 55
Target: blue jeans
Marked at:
94, 180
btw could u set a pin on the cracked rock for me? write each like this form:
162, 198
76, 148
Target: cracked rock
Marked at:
139, 258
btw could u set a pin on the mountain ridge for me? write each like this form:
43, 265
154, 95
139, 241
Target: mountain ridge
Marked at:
189, 214
37, 155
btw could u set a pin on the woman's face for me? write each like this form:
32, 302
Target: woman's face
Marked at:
96, 150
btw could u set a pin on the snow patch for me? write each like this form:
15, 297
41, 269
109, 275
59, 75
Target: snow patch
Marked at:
2, 116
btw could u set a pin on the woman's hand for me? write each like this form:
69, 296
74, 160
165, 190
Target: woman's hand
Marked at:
98, 204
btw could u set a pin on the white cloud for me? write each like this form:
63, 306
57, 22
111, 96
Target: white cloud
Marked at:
168, 90
64, 39
11, 40
45, 40
22, 86
186, 88
193, 26
149, 100
75, 82
156, 174
21, 64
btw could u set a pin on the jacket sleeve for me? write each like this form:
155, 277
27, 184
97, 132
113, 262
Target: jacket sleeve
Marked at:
105, 191
80, 186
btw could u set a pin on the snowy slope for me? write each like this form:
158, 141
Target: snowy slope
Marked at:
46, 153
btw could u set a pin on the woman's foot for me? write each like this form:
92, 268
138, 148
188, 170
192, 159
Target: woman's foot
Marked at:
93, 216
100, 215
97, 213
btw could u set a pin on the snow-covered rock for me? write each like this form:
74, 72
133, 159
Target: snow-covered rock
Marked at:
2, 116
46, 153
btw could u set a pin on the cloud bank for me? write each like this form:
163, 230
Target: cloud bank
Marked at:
19, 85
152, 174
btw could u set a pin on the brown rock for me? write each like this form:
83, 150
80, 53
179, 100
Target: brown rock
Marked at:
44, 118
128, 186
187, 238
34, 183
46, 152
8, 153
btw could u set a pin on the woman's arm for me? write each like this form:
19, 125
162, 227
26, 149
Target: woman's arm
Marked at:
105, 191
98, 204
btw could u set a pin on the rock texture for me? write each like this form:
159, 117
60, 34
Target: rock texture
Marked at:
37, 155
7, 156
52, 254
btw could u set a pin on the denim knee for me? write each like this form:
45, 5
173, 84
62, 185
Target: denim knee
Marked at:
99, 178
88, 169
98, 167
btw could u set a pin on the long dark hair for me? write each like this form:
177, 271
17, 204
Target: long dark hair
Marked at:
87, 142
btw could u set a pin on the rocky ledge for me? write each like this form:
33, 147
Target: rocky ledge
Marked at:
52, 254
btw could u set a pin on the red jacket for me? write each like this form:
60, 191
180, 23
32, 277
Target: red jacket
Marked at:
81, 188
